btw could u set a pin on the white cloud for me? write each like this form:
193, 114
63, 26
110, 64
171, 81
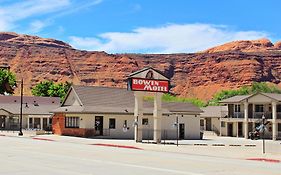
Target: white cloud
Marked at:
172, 38
36, 26
12, 14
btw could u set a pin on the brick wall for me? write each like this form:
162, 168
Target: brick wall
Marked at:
58, 125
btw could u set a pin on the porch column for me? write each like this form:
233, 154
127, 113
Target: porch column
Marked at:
205, 123
138, 114
41, 123
220, 127
48, 121
32, 120
246, 130
157, 116
27, 122
274, 123
237, 129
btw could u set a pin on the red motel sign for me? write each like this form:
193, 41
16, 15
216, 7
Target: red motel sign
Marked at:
140, 84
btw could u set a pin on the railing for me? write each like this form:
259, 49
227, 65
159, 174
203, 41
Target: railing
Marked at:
216, 130
238, 115
10, 127
279, 116
258, 115
279, 135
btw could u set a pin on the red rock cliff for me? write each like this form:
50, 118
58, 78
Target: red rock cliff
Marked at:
192, 75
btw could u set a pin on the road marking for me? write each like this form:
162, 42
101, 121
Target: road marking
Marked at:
148, 167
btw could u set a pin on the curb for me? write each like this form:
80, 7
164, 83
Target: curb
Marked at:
118, 146
265, 160
45, 139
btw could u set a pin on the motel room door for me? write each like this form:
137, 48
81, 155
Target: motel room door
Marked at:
208, 124
2, 121
240, 129
99, 125
230, 129
181, 131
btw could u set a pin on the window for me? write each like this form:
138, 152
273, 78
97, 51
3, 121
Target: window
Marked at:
112, 123
201, 122
72, 122
237, 108
145, 121
279, 127
222, 124
259, 108
278, 108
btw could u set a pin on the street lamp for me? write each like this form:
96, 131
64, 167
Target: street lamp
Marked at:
263, 129
21, 99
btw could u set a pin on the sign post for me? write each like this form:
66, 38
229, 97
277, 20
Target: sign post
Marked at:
145, 81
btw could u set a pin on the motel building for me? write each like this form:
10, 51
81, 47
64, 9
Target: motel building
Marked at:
107, 112
35, 112
245, 113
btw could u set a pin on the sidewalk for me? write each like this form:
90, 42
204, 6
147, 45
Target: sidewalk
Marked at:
226, 147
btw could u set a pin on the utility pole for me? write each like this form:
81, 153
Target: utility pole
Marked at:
21, 101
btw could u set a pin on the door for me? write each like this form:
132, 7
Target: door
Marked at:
2, 122
99, 125
181, 131
45, 124
208, 124
230, 129
240, 129
250, 111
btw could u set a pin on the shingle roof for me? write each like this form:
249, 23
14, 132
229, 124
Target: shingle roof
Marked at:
214, 111
104, 96
273, 96
235, 99
239, 98
118, 100
147, 68
31, 105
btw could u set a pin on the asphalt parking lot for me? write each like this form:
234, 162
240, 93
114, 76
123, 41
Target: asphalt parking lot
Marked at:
46, 154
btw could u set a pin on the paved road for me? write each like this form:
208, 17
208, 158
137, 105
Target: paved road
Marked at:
27, 156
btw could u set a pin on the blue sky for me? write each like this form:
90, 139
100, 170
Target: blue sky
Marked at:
143, 26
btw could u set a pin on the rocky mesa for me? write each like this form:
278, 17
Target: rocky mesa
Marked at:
199, 75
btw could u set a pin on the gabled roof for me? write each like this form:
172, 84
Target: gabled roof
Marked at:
274, 96
148, 68
118, 100
214, 111
240, 98
235, 99
104, 96
32, 105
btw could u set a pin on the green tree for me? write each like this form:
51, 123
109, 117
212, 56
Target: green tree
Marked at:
7, 81
51, 89
245, 90
172, 98
42, 88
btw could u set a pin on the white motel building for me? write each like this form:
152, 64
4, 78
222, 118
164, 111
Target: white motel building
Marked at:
106, 112
245, 113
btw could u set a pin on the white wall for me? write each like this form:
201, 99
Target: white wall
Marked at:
192, 125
